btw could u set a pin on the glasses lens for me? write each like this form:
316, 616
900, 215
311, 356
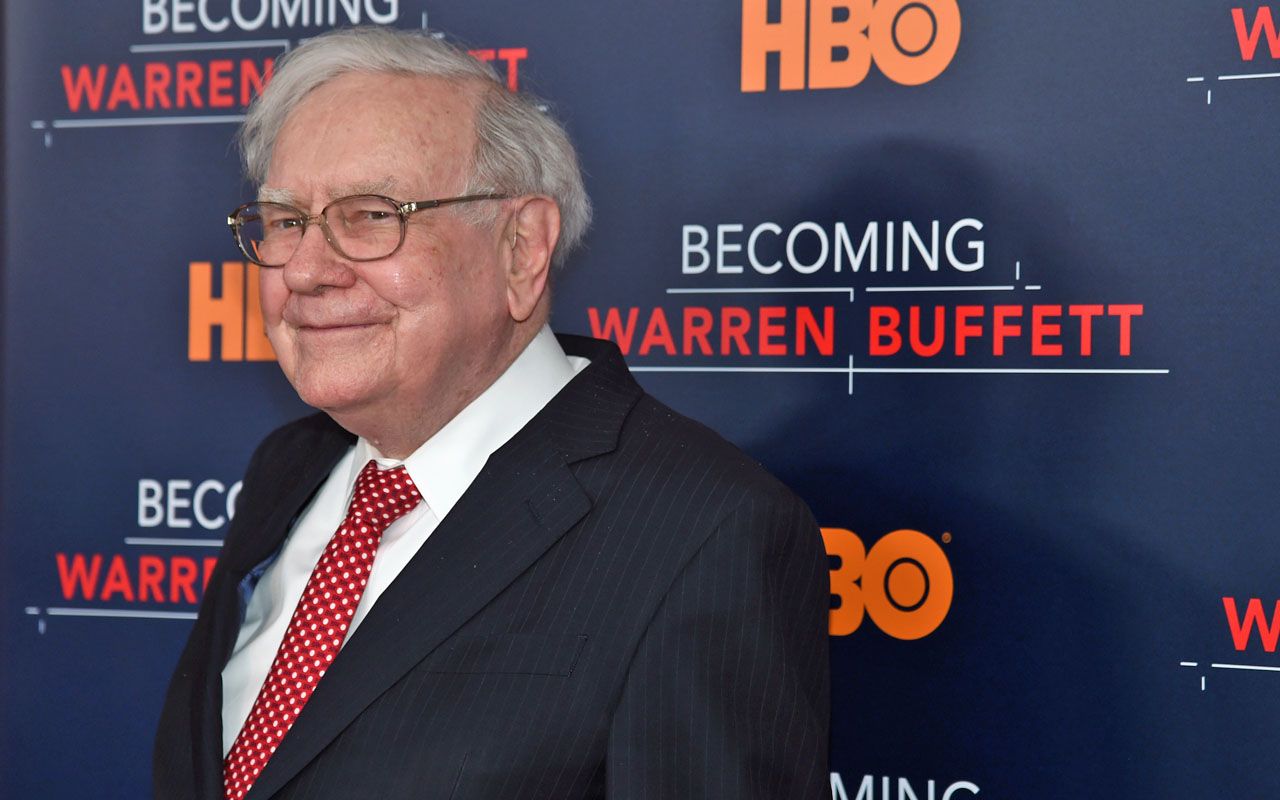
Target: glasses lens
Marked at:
268, 233
365, 227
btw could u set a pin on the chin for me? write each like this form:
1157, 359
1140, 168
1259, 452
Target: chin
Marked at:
334, 395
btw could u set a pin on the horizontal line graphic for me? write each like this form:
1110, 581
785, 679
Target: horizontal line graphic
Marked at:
939, 289
839, 370
1016, 370
123, 614
162, 542
179, 47
129, 122
779, 290
1249, 76
1252, 667
910, 370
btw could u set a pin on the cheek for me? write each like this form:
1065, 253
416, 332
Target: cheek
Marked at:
420, 277
272, 294
441, 281
404, 287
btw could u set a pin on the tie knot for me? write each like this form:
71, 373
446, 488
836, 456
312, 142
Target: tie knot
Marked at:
382, 495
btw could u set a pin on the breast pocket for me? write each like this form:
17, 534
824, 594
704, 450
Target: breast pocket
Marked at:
510, 654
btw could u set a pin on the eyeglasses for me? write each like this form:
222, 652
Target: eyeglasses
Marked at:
361, 227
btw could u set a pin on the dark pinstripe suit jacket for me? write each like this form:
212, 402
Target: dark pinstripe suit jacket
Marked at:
621, 605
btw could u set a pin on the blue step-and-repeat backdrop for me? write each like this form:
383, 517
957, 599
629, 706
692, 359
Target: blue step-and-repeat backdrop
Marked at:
991, 283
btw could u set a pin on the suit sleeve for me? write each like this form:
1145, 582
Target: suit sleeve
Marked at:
728, 691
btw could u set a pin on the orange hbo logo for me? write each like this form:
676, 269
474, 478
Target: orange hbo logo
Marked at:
911, 41
903, 583
233, 311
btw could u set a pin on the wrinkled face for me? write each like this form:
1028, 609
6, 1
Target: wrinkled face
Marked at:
371, 340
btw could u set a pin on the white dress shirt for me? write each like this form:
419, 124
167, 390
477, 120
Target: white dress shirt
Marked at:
442, 468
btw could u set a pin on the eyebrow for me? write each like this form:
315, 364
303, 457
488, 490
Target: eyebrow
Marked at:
382, 186
268, 194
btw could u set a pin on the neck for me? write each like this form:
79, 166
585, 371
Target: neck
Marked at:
398, 429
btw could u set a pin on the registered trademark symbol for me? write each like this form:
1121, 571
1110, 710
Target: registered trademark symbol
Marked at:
946, 537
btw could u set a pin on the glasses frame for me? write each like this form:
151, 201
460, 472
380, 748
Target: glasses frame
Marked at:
403, 211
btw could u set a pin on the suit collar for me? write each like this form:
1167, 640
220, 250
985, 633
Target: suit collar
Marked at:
521, 503
301, 463
581, 421
445, 464
585, 419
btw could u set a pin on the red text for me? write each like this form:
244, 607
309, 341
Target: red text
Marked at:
1254, 616
1248, 36
1051, 330
730, 330
222, 83
144, 579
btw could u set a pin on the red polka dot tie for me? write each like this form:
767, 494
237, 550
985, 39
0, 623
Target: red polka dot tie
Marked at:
319, 623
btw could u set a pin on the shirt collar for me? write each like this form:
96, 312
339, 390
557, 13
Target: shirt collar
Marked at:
445, 465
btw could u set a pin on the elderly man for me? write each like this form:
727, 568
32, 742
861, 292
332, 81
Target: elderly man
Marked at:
493, 567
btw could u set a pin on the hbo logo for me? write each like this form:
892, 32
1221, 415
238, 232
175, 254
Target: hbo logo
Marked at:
903, 583
837, 41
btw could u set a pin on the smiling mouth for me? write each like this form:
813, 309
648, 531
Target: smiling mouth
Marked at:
355, 326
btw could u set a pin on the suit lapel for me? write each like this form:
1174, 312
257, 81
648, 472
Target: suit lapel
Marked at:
304, 465
519, 505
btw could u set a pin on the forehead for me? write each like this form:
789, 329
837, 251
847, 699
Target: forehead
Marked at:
406, 133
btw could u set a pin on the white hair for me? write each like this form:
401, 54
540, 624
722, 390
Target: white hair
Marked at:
519, 149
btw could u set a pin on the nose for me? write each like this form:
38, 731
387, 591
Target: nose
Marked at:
315, 265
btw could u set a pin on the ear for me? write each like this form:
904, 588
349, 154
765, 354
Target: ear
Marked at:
532, 234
